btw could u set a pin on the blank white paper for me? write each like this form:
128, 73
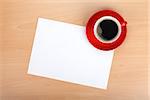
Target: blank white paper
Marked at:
61, 51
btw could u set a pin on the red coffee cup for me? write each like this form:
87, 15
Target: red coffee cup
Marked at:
106, 30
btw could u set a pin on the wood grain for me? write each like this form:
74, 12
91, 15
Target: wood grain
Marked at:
129, 76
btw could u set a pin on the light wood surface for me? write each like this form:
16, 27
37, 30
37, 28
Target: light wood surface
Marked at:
128, 78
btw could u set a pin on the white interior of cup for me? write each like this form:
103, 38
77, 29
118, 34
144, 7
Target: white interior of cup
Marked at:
107, 18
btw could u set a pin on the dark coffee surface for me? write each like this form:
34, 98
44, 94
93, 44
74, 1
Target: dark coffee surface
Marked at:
107, 30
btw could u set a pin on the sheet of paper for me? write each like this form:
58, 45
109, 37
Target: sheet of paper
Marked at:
61, 51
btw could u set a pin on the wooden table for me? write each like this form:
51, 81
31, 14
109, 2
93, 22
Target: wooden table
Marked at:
129, 74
